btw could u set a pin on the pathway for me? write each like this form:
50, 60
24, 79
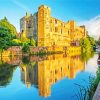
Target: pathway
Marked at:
97, 93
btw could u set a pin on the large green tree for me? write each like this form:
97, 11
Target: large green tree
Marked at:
7, 34
5, 38
5, 23
87, 44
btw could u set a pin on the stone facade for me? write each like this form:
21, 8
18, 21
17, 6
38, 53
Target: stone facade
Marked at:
28, 24
51, 32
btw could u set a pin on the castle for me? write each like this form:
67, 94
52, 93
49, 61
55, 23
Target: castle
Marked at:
49, 31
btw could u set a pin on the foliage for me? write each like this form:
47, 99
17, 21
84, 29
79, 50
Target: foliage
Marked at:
87, 55
8, 36
32, 42
7, 33
26, 40
26, 60
94, 84
41, 52
87, 92
5, 23
5, 38
26, 48
16, 42
6, 73
87, 44
92, 41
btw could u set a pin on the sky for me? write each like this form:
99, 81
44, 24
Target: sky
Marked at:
78, 10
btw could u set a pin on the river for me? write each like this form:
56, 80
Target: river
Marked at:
52, 77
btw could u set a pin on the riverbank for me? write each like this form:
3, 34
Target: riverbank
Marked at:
97, 93
94, 81
18, 50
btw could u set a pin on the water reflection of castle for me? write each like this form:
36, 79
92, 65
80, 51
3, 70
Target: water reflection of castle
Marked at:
47, 72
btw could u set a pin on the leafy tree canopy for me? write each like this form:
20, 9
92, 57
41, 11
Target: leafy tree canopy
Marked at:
87, 44
5, 37
26, 40
7, 34
5, 23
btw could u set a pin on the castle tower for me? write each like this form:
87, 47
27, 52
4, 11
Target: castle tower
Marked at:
43, 25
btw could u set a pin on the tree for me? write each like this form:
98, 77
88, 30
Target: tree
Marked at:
87, 44
92, 41
7, 34
5, 38
5, 23
16, 42
32, 42
24, 39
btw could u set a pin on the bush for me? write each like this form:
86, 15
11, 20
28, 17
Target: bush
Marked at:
87, 44
26, 48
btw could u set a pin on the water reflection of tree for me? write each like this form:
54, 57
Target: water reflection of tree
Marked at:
6, 73
29, 74
86, 56
26, 59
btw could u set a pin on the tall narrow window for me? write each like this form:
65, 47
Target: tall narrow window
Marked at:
61, 31
56, 29
55, 21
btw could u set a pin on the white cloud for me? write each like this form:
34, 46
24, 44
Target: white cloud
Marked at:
92, 26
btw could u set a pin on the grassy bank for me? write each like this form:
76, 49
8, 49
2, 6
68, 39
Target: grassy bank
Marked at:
87, 92
95, 81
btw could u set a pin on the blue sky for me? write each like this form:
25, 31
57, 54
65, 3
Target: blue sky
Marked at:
79, 10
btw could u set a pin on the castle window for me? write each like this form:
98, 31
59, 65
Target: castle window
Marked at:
55, 21
68, 32
45, 12
61, 31
56, 71
56, 29
61, 69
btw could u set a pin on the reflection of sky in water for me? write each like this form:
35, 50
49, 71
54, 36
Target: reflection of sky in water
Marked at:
92, 65
64, 89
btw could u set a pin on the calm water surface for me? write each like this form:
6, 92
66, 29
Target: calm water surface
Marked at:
51, 77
